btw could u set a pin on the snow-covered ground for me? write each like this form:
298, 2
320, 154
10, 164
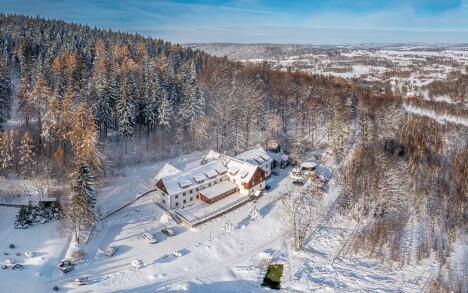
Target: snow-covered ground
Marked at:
46, 244
210, 260
432, 114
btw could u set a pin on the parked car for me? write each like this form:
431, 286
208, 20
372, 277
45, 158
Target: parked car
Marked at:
17, 267
9, 261
110, 250
298, 183
66, 266
82, 281
274, 172
149, 238
267, 187
168, 231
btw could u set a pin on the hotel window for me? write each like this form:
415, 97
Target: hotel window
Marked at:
198, 196
163, 194
191, 191
191, 199
176, 204
185, 201
176, 196
209, 184
184, 193
197, 188
164, 201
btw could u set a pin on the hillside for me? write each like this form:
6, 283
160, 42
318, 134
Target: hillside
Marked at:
88, 113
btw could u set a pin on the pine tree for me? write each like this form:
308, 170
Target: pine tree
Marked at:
150, 114
78, 212
6, 151
23, 218
38, 98
125, 110
23, 96
84, 184
26, 156
5, 93
50, 121
165, 112
254, 214
228, 227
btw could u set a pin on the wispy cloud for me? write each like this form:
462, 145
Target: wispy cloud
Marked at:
267, 20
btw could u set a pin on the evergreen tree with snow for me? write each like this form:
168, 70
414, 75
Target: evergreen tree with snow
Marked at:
5, 93
23, 97
254, 214
50, 121
125, 110
228, 227
165, 111
6, 151
26, 156
150, 111
22, 218
84, 184
38, 98
78, 212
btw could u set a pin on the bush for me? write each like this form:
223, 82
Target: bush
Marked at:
32, 215
78, 255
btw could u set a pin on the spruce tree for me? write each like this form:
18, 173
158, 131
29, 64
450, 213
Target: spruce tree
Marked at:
254, 214
5, 93
165, 111
84, 184
78, 212
6, 151
26, 156
125, 110
23, 97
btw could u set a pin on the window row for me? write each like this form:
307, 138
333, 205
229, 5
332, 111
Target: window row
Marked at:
185, 201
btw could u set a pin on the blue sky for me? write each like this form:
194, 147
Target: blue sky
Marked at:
266, 21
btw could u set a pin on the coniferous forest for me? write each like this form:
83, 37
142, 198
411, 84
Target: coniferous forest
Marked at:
76, 101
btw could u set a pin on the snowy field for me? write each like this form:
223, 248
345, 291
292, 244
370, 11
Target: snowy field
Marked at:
208, 259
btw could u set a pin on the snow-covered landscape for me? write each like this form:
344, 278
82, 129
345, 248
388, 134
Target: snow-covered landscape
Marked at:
233, 146
209, 259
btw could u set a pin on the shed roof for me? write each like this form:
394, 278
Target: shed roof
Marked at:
218, 189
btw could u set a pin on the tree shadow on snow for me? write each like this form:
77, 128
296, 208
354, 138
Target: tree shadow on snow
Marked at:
170, 257
244, 223
240, 286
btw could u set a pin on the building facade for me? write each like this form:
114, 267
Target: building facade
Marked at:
217, 177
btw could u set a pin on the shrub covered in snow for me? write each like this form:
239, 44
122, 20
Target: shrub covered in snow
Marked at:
254, 214
228, 227
78, 255
32, 215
